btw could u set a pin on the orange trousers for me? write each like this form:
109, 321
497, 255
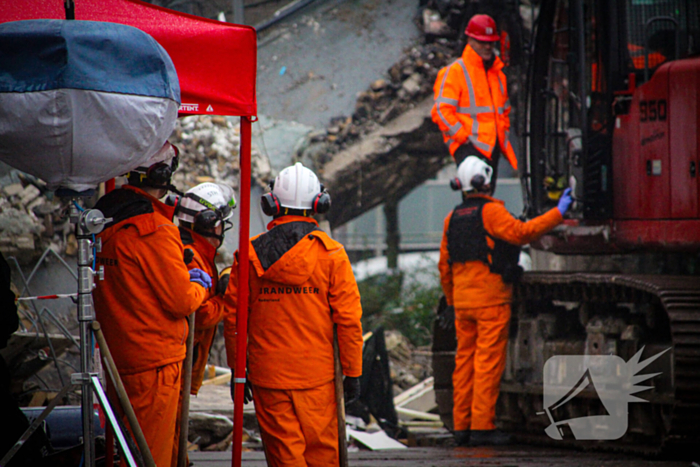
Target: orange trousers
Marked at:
482, 338
299, 427
155, 397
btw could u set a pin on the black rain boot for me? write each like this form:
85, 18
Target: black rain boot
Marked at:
489, 438
461, 437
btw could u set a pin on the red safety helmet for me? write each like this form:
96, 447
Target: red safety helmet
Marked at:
482, 28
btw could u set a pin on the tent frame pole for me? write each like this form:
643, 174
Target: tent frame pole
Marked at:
239, 376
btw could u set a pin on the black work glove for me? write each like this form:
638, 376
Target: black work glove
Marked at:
351, 389
222, 285
446, 319
189, 255
247, 390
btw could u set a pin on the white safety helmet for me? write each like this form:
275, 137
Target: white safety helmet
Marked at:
206, 206
296, 187
470, 168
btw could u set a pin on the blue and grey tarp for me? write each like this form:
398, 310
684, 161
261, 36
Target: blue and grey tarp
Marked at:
81, 101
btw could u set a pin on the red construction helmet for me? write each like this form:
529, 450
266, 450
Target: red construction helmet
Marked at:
482, 28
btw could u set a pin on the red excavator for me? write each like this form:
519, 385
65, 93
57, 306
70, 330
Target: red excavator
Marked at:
613, 92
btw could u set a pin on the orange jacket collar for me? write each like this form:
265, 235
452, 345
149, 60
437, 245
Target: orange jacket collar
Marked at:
487, 197
203, 246
296, 265
471, 57
158, 206
287, 219
145, 223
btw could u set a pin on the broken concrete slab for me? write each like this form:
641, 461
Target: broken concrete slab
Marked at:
374, 441
388, 162
420, 397
280, 140
206, 429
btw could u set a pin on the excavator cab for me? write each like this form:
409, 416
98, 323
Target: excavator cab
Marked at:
588, 58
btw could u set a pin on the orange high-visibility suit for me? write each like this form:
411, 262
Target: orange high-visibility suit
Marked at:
482, 313
213, 308
301, 284
472, 106
142, 305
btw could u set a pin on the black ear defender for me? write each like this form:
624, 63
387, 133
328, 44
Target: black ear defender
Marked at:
455, 184
322, 202
160, 173
206, 220
478, 182
172, 200
269, 202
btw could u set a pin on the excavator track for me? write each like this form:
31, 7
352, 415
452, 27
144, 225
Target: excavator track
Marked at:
669, 423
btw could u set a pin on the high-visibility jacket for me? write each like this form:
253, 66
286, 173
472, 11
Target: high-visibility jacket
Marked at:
471, 284
213, 308
472, 105
146, 293
301, 284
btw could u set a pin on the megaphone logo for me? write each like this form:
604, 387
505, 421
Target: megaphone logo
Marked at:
603, 384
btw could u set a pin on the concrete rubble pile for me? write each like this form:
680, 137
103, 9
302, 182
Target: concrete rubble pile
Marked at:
407, 82
209, 152
408, 365
31, 219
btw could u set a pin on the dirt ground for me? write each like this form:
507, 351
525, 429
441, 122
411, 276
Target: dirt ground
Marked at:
510, 456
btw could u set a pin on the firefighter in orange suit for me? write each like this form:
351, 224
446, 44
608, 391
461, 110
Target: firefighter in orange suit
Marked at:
478, 264
204, 214
471, 106
146, 296
301, 285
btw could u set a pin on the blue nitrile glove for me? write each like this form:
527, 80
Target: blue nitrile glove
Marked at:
565, 201
200, 277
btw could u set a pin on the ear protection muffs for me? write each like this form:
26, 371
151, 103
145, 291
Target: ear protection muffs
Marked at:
159, 174
269, 202
172, 200
455, 184
322, 202
206, 220
478, 182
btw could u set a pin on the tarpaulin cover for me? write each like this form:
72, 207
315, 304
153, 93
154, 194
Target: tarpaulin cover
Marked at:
376, 390
216, 62
82, 101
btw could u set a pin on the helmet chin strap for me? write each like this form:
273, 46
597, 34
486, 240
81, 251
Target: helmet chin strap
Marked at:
171, 187
220, 238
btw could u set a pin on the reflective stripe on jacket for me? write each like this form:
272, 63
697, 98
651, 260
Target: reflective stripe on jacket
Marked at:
472, 284
295, 299
146, 294
472, 105
213, 308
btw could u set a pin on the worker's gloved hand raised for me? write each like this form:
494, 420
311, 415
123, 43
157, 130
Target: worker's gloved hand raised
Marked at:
200, 277
565, 201
247, 390
446, 319
351, 389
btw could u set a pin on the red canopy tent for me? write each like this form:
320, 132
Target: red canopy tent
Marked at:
216, 65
